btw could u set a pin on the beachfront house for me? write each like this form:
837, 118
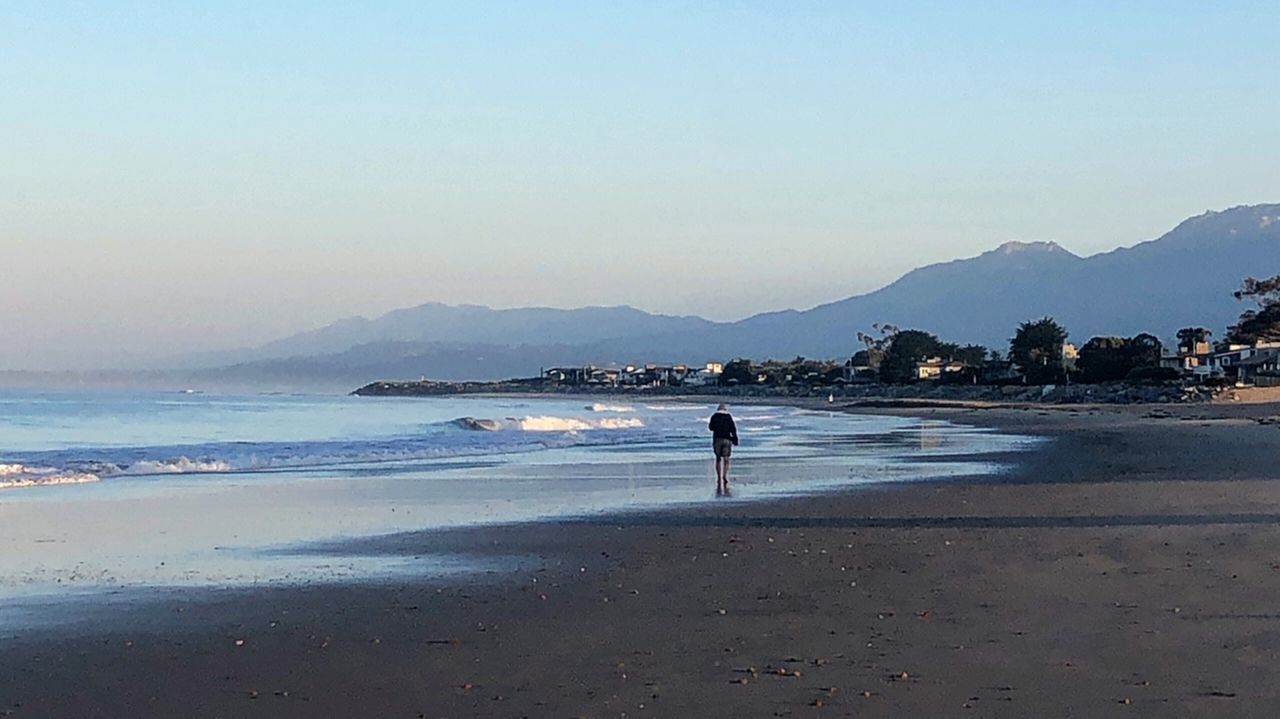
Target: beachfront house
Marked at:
1070, 356
1246, 364
653, 375
603, 377
1187, 364
934, 368
639, 376
567, 375
706, 376
1191, 360
1262, 368
701, 378
861, 367
1195, 349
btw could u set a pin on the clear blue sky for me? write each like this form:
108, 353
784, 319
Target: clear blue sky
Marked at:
184, 176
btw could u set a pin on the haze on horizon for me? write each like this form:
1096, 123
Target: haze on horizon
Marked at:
189, 177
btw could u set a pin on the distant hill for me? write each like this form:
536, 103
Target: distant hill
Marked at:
431, 326
404, 360
1182, 278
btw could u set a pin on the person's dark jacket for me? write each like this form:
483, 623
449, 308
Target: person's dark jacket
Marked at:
722, 427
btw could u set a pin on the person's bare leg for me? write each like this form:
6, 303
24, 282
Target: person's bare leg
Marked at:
726, 472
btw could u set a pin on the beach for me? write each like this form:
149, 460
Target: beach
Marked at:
1130, 566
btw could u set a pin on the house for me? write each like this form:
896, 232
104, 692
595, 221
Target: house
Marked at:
1264, 363
1190, 362
1187, 364
708, 375
933, 368
1192, 359
676, 374
1244, 363
634, 376
653, 375
701, 378
1194, 349
1070, 354
861, 367
603, 377
567, 375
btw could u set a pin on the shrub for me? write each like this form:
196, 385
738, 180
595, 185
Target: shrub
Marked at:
1153, 374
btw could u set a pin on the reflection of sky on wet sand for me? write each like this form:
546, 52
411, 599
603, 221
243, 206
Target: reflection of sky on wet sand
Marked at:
231, 529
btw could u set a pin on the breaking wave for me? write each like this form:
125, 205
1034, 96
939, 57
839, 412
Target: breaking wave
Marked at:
20, 475
179, 465
545, 423
460, 438
598, 407
570, 424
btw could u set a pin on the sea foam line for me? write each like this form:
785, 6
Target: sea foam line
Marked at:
19, 475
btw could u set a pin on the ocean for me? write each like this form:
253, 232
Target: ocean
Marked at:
108, 492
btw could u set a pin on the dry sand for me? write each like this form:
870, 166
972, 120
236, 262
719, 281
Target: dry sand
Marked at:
1129, 568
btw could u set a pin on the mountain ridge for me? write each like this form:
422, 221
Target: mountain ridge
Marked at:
1183, 277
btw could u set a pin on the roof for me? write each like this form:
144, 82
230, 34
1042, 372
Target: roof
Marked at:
1259, 360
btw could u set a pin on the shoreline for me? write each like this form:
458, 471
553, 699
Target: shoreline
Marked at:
766, 479
1119, 392
1046, 593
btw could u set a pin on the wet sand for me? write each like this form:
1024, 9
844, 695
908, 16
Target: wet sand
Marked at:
1131, 567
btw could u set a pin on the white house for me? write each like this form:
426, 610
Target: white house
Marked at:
1243, 362
934, 367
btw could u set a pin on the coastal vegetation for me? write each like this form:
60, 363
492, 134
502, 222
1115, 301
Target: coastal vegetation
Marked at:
1109, 359
1261, 324
1038, 355
1037, 349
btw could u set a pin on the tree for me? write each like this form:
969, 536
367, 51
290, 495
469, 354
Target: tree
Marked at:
1191, 337
971, 355
739, 370
1144, 350
1107, 359
1262, 324
1036, 349
905, 349
1103, 359
876, 343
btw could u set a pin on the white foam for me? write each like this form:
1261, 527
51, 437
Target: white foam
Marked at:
572, 424
598, 407
178, 465
13, 476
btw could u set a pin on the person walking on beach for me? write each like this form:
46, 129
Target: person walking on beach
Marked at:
724, 437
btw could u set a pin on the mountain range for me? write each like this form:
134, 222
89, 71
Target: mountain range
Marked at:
1182, 278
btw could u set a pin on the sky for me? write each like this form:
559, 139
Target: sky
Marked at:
179, 177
